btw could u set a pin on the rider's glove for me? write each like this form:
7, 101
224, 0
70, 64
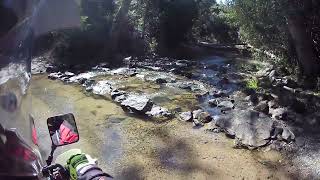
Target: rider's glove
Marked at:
83, 167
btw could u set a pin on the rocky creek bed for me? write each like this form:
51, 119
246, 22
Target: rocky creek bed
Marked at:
208, 93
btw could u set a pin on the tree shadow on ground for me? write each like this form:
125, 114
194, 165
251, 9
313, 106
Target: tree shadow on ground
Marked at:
132, 172
171, 156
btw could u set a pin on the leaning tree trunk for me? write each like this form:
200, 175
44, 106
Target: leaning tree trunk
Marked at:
301, 37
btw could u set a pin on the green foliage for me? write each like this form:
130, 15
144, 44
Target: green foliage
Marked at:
212, 24
252, 83
262, 23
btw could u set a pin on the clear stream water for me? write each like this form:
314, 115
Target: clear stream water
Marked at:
130, 147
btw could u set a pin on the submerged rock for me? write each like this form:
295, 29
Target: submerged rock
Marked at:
194, 86
161, 81
57, 75
226, 105
213, 102
218, 93
138, 104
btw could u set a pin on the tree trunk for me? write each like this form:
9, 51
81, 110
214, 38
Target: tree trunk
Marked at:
302, 40
119, 27
145, 19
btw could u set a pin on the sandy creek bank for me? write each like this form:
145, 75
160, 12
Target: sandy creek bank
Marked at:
133, 148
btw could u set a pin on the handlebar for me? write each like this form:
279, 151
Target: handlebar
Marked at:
55, 172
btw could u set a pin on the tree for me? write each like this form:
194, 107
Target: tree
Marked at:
284, 27
176, 20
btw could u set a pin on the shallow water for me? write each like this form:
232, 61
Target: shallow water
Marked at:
130, 147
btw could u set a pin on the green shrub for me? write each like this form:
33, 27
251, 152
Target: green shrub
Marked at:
252, 83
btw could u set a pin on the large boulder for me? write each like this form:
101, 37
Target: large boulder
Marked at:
137, 103
248, 127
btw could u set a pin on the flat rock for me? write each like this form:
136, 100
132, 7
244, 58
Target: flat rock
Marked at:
137, 103
159, 112
251, 129
194, 86
186, 116
88, 75
124, 71
70, 74
103, 87
157, 77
